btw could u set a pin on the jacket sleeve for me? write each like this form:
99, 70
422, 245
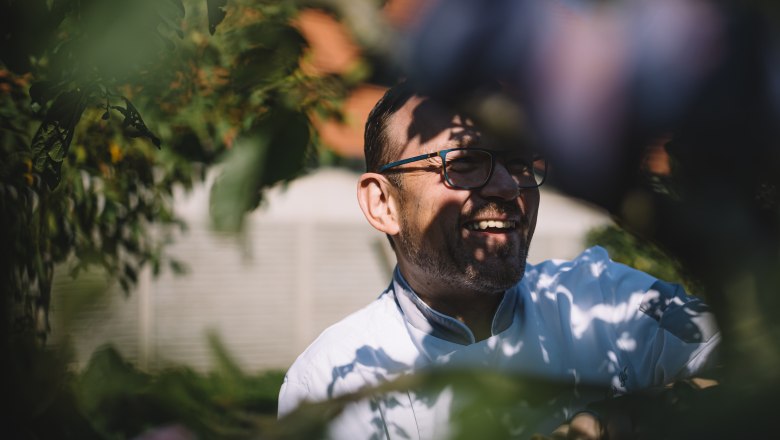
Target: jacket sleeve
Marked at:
292, 394
625, 324
661, 333
680, 335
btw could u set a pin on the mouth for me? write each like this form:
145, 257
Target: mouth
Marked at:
496, 226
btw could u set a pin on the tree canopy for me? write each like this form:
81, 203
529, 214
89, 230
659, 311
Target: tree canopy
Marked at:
109, 105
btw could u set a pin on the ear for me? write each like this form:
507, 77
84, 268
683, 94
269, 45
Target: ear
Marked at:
378, 200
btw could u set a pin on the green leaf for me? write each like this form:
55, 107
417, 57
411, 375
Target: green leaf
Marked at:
273, 51
255, 67
273, 151
41, 92
170, 13
133, 124
52, 140
131, 273
217, 13
271, 35
236, 189
290, 140
173, 8
178, 267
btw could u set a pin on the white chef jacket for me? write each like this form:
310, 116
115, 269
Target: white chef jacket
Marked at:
589, 320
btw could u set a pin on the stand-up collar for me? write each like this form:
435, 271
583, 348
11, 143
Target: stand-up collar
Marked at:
441, 326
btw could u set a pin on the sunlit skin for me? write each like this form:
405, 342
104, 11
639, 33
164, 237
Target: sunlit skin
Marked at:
455, 270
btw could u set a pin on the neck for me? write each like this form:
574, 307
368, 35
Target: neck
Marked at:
476, 312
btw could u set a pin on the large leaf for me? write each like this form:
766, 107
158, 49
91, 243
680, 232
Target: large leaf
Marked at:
52, 140
216, 10
116, 41
273, 151
236, 189
27, 28
289, 144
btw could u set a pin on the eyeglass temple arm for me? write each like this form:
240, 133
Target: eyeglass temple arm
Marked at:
408, 160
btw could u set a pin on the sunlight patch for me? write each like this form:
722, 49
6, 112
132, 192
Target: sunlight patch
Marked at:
545, 280
596, 268
626, 342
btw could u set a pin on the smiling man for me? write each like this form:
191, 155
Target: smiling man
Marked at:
460, 210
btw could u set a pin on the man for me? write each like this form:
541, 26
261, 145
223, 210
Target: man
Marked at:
460, 210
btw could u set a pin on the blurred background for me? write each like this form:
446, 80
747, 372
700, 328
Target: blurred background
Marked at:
178, 181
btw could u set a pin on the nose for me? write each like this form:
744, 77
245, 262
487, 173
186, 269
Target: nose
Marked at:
501, 185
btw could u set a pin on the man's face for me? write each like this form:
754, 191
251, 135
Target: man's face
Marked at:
442, 241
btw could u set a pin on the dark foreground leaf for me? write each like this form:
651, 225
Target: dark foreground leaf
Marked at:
52, 140
133, 123
216, 9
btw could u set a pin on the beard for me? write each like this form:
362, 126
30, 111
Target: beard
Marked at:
454, 262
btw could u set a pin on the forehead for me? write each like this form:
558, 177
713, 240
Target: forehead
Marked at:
424, 125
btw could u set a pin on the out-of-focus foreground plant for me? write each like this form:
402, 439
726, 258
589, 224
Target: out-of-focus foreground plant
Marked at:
108, 105
121, 401
599, 81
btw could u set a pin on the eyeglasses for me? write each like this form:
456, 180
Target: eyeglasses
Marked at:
471, 168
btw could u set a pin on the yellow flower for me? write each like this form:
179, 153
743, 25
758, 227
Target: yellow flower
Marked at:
115, 151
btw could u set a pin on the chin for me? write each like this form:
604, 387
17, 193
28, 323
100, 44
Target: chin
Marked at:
495, 279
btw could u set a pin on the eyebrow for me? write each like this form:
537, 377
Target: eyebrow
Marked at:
468, 142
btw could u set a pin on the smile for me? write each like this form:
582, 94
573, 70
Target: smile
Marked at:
484, 225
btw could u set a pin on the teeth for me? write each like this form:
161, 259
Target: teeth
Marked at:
485, 224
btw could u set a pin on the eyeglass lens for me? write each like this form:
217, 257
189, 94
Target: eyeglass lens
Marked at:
470, 168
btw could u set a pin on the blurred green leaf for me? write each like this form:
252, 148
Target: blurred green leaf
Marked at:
42, 92
217, 13
274, 51
291, 137
170, 13
177, 266
122, 402
236, 190
273, 151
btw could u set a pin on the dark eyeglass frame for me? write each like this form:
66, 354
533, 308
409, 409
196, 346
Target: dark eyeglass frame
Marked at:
443, 153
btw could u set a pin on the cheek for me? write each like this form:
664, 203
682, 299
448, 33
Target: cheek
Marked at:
438, 208
529, 203
432, 209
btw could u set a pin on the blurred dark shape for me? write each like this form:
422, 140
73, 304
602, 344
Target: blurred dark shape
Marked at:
598, 82
26, 28
170, 432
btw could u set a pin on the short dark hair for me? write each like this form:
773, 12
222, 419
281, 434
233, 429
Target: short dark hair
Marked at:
376, 146
376, 142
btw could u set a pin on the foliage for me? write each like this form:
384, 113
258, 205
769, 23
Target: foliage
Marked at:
631, 250
493, 405
122, 402
39, 403
108, 106
85, 175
